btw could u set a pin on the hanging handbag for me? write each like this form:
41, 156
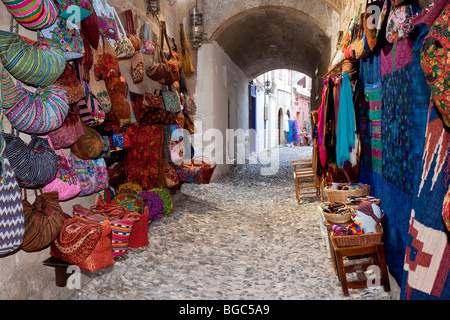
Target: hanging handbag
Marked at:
160, 71
154, 101
87, 171
188, 103
89, 146
106, 19
12, 221
85, 244
172, 60
8, 89
137, 68
35, 164
70, 131
90, 25
38, 112
359, 45
66, 182
37, 65
148, 47
69, 37
32, 14
98, 87
122, 46
90, 109
70, 83
44, 220
399, 24
187, 62
172, 102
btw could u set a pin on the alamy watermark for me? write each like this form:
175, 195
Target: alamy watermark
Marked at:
229, 147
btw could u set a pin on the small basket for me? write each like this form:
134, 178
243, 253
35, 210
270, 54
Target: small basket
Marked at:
339, 218
342, 195
359, 240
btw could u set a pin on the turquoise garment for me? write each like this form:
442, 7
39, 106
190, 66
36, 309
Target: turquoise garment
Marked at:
346, 123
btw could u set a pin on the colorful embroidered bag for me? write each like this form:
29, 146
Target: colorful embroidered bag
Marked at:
120, 220
85, 244
92, 174
39, 64
12, 221
106, 19
70, 131
129, 201
123, 47
172, 102
435, 62
399, 24
39, 112
66, 182
147, 45
44, 220
69, 37
90, 110
370, 20
188, 104
32, 14
35, 164
153, 203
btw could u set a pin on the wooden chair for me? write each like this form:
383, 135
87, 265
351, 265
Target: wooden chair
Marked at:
305, 180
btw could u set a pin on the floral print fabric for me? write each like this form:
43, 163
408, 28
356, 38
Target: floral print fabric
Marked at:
144, 159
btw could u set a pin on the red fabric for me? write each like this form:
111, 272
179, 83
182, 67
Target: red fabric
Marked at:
139, 234
144, 159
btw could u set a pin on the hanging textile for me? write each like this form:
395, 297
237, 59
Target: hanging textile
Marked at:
329, 134
373, 95
294, 132
144, 159
346, 123
320, 128
427, 258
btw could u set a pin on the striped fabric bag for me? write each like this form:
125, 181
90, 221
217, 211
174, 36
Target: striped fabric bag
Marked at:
120, 223
38, 64
35, 163
33, 14
10, 94
12, 221
39, 112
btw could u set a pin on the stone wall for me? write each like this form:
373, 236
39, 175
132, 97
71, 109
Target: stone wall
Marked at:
23, 275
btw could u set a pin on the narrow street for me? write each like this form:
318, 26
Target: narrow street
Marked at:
242, 237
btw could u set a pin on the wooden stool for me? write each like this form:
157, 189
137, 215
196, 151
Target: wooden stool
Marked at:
60, 266
375, 253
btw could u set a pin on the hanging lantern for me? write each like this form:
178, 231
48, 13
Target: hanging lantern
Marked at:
196, 23
153, 6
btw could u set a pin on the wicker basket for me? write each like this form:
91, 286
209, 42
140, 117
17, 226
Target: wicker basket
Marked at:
340, 218
359, 240
342, 195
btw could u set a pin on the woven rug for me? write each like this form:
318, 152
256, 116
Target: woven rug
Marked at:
427, 258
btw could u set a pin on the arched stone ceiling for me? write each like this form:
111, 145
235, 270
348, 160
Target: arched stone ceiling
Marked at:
267, 38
